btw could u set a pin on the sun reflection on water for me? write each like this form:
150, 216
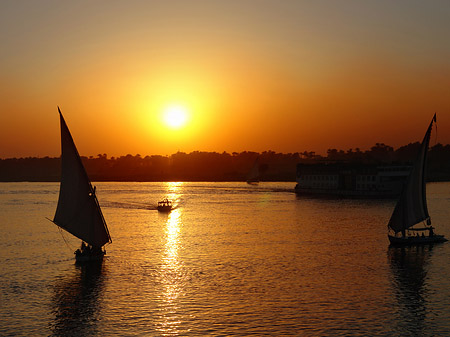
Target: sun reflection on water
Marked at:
171, 268
174, 189
171, 263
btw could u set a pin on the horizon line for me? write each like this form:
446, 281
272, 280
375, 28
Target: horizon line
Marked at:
222, 152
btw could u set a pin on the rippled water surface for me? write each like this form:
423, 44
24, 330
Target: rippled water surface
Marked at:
231, 259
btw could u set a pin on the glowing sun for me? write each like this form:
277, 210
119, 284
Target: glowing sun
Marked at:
175, 116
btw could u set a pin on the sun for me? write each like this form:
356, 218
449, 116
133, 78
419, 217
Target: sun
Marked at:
175, 116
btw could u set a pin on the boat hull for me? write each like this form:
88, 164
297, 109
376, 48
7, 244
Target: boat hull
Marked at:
415, 240
89, 257
164, 209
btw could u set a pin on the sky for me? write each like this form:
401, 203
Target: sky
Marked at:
286, 76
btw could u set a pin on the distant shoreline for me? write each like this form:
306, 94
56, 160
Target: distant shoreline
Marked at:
172, 181
219, 167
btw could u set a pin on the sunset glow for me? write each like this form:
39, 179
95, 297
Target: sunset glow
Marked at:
175, 116
308, 81
251, 168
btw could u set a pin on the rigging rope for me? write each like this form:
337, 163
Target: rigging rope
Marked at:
67, 244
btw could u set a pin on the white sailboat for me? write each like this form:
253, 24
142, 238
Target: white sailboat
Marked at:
78, 211
411, 209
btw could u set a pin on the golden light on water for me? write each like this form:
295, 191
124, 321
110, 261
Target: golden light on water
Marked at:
171, 267
172, 233
171, 263
174, 190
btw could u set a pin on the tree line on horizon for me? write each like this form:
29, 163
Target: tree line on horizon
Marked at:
214, 166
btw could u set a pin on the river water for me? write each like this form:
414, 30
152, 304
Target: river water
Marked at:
230, 260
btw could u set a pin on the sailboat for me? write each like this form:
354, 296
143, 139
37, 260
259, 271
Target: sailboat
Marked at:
411, 209
78, 211
253, 176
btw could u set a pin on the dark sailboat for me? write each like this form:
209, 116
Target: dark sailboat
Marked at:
253, 175
411, 208
78, 211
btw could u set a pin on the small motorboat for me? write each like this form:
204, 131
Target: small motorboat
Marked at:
164, 205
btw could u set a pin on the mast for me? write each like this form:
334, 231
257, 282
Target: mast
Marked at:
412, 208
78, 210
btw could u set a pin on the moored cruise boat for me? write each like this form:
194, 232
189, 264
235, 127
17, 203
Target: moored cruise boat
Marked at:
351, 179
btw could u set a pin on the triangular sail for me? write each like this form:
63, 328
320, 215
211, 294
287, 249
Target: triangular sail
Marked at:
78, 210
412, 208
253, 175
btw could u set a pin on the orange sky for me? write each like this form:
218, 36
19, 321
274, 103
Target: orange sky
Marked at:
255, 75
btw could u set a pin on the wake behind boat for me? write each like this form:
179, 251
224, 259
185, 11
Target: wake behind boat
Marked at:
411, 209
78, 211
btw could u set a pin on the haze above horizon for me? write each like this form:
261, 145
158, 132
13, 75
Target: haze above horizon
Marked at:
154, 77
